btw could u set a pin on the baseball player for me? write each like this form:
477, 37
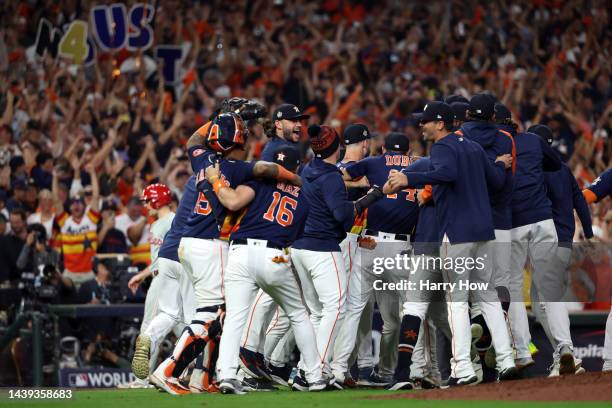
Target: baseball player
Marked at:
176, 302
356, 139
390, 222
460, 177
258, 259
597, 191
565, 196
481, 129
316, 255
156, 198
419, 304
288, 129
534, 237
287, 119
203, 247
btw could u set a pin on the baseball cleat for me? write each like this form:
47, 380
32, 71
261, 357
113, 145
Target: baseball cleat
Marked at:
426, 383
231, 386
136, 384
508, 374
258, 385
280, 375
490, 358
300, 384
401, 385
456, 382
567, 364
140, 361
170, 385
248, 363
369, 378
554, 368
523, 363
533, 349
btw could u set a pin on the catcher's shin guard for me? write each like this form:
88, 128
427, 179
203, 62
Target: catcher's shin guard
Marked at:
204, 327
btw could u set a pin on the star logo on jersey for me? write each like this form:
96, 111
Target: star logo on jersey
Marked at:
410, 334
280, 157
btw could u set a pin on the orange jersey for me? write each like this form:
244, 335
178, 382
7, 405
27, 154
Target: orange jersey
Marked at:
77, 241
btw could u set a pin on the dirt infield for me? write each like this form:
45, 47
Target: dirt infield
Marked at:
585, 387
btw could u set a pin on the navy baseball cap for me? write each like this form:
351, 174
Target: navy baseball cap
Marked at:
502, 113
543, 131
460, 110
397, 142
355, 133
288, 111
288, 157
456, 98
482, 106
437, 111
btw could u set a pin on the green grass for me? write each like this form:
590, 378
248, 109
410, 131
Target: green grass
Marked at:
280, 399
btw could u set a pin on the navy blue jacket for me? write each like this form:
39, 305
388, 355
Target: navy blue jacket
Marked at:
426, 235
534, 156
331, 213
495, 143
565, 195
461, 176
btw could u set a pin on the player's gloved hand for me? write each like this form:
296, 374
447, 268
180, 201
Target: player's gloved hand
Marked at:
364, 202
245, 108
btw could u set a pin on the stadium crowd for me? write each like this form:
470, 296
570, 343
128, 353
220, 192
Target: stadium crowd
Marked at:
87, 139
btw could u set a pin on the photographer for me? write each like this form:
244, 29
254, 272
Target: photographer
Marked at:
36, 253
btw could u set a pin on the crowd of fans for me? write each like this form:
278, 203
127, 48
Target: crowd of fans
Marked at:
78, 144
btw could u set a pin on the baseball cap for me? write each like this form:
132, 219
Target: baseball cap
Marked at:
543, 131
397, 142
288, 157
20, 184
460, 110
502, 113
355, 133
437, 111
76, 199
482, 106
288, 111
324, 140
456, 98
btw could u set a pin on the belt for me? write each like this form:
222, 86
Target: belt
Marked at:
398, 237
211, 309
245, 241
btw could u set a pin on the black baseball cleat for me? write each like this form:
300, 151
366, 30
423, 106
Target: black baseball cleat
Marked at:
248, 363
457, 382
300, 383
257, 385
280, 375
508, 374
231, 386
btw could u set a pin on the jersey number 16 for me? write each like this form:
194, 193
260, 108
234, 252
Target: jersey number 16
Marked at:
282, 206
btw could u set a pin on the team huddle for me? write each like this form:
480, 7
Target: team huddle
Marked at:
264, 256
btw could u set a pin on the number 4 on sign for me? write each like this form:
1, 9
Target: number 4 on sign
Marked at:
74, 42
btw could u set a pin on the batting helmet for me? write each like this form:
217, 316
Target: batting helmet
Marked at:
225, 132
157, 195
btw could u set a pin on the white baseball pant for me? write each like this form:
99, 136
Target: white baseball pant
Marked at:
249, 268
324, 284
538, 243
458, 316
204, 261
175, 303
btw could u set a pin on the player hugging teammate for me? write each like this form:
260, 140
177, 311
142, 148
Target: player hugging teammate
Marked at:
263, 256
